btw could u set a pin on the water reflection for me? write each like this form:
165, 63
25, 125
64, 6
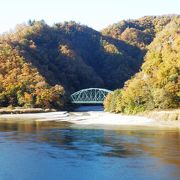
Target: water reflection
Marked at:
30, 126
149, 149
86, 142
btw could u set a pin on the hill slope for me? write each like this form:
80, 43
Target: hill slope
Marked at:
157, 85
75, 55
139, 32
66, 55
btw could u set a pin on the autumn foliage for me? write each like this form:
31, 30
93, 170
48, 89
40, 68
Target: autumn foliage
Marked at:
22, 85
157, 85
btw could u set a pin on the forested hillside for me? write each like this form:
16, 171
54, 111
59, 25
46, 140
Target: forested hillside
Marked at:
40, 65
140, 32
157, 85
37, 58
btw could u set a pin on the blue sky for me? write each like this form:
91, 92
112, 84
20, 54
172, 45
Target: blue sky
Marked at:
94, 13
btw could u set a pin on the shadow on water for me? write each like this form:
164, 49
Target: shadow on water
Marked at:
85, 108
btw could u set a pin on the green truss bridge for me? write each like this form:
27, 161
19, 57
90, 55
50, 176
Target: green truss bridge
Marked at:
89, 96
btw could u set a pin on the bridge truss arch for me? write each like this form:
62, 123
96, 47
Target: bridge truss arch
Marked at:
89, 96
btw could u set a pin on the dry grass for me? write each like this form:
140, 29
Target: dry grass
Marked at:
166, 115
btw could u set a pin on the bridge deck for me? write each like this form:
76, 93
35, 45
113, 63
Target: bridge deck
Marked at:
87, 102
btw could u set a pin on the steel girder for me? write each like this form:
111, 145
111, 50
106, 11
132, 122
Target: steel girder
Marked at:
89, 96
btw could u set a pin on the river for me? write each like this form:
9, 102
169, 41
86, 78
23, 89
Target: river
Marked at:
32, 150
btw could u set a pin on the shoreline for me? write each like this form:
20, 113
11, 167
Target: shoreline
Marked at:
99, 118
20, 110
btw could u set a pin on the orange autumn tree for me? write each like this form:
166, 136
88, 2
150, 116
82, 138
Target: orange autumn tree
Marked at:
22, 85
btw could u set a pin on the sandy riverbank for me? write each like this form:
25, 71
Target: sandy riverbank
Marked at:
93, 118
20, 110
105, 118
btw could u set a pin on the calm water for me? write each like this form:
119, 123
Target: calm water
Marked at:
49, 150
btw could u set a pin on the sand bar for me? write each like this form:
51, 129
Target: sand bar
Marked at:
92, 118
